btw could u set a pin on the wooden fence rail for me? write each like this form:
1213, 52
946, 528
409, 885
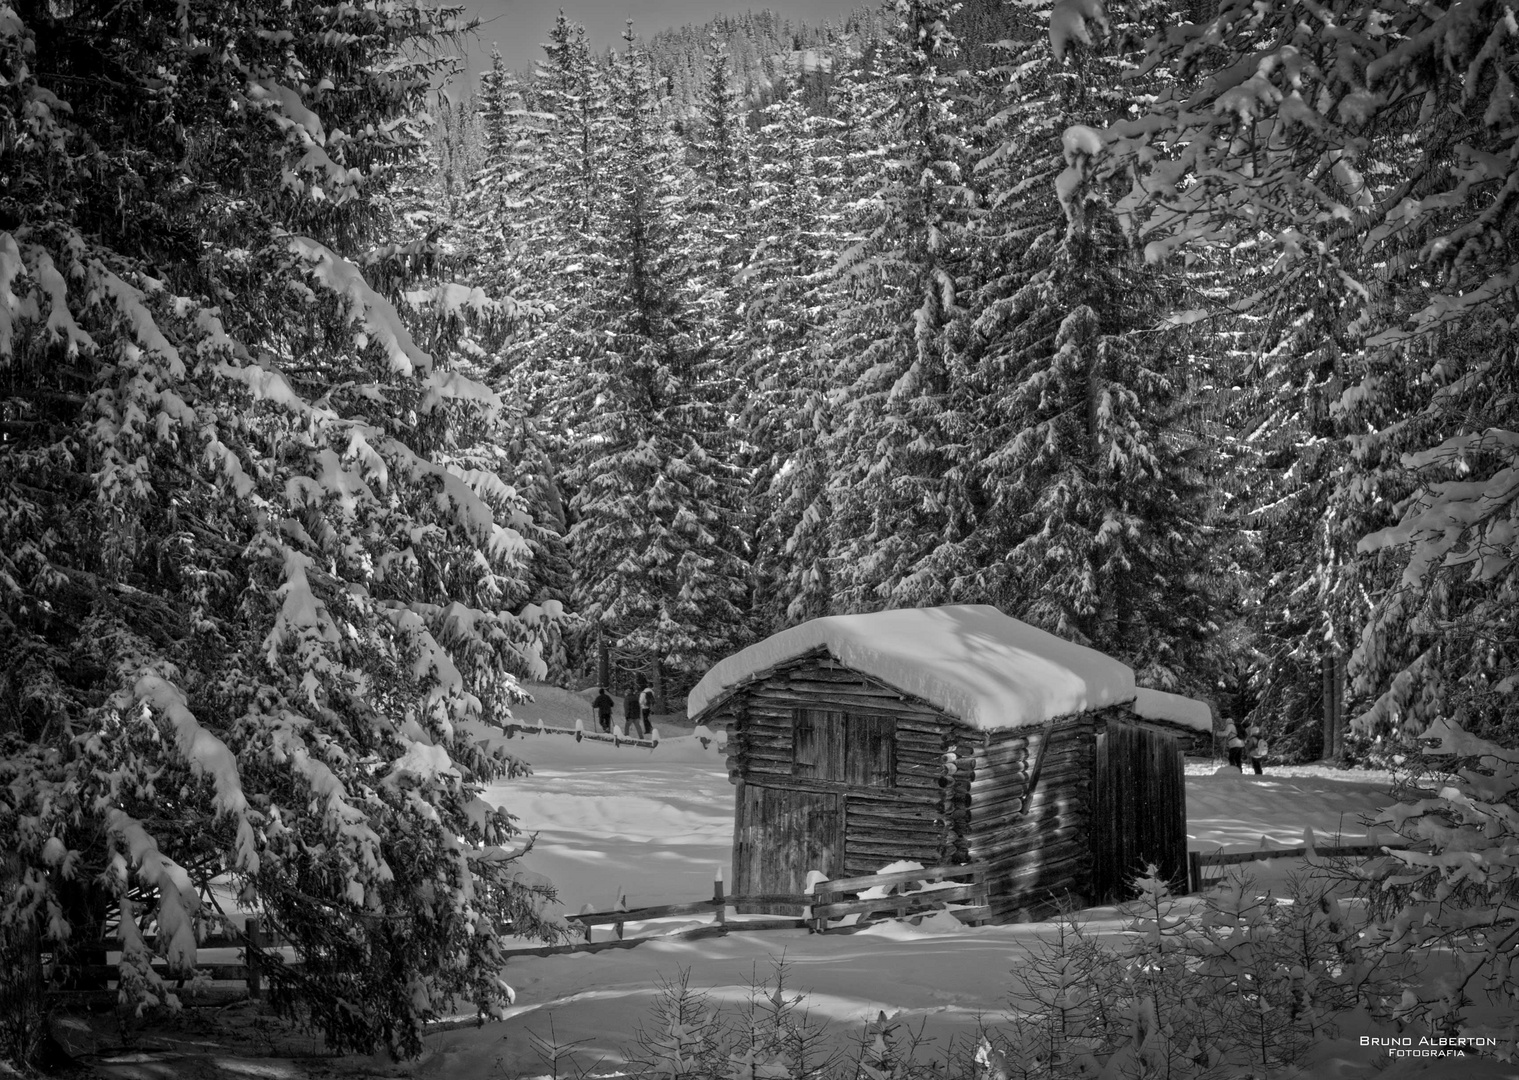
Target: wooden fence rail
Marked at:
1198, 860
248, 972
828, 900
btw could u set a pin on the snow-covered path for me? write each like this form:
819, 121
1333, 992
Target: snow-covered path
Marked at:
656, 824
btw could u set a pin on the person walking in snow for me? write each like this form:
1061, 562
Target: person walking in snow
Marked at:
630, 709
1257, 749
645, 704
635, 717
603, 707
1236, 746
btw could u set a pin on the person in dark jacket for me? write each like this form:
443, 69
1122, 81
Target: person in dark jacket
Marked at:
630, 711
603, 707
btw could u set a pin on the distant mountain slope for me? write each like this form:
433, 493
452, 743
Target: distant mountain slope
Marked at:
763, 47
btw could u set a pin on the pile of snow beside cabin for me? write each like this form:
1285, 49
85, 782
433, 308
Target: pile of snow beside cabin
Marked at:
654, 825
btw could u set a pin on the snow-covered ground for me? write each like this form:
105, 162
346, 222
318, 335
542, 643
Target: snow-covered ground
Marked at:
654, 825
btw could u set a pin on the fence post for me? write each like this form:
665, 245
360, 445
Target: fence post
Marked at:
255, 931
718, 898
1195, 871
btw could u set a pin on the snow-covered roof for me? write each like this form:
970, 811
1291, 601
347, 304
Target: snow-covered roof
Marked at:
1173, 708
983, 667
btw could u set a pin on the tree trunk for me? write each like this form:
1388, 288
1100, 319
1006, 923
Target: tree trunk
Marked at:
21, 1017
603, 659
657, 682
1333, 671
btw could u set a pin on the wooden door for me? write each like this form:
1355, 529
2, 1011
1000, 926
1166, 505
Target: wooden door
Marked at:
1139, 810
780, 834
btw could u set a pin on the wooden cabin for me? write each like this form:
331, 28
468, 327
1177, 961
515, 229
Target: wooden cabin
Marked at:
944, 736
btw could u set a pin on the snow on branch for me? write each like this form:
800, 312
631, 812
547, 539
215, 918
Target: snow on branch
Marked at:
129, 303
459, 501
206, 755
1073, 20
452, 299
1082, 146
452, 385
301, 612
177, 899
291, 112
272, 386
376, 315
431, 665
1456, 523
12, 307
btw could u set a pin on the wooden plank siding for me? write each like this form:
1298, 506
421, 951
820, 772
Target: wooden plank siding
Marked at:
1139, 794
1034, 840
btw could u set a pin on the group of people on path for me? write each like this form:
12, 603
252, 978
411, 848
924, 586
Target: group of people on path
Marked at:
636, 708
1253, 746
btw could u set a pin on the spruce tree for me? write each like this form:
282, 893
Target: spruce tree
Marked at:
900, 508
1382, 268
1092, 512
784, 414
659, 564
255, 584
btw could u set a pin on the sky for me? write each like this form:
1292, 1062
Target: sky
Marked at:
519, 27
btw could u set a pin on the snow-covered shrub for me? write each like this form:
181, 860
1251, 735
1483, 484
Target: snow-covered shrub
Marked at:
770, 1037
1455, 891
1235, 984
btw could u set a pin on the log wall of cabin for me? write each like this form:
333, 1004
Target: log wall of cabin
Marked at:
908, 819
1037, 843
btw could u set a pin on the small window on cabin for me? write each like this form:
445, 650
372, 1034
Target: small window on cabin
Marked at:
844, 747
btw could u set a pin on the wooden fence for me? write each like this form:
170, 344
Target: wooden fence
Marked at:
829, 901
580, 734
1198, 861
249, 972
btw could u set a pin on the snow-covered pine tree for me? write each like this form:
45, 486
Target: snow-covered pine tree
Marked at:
1294, 144
1092, 513
494, 234
478, 327
784, 414
898, 474
658, 560
1452, 891
1440, 640
253, 576
512, 239
550, 192
718, 230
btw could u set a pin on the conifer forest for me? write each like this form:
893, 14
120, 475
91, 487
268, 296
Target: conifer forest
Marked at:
335, 405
